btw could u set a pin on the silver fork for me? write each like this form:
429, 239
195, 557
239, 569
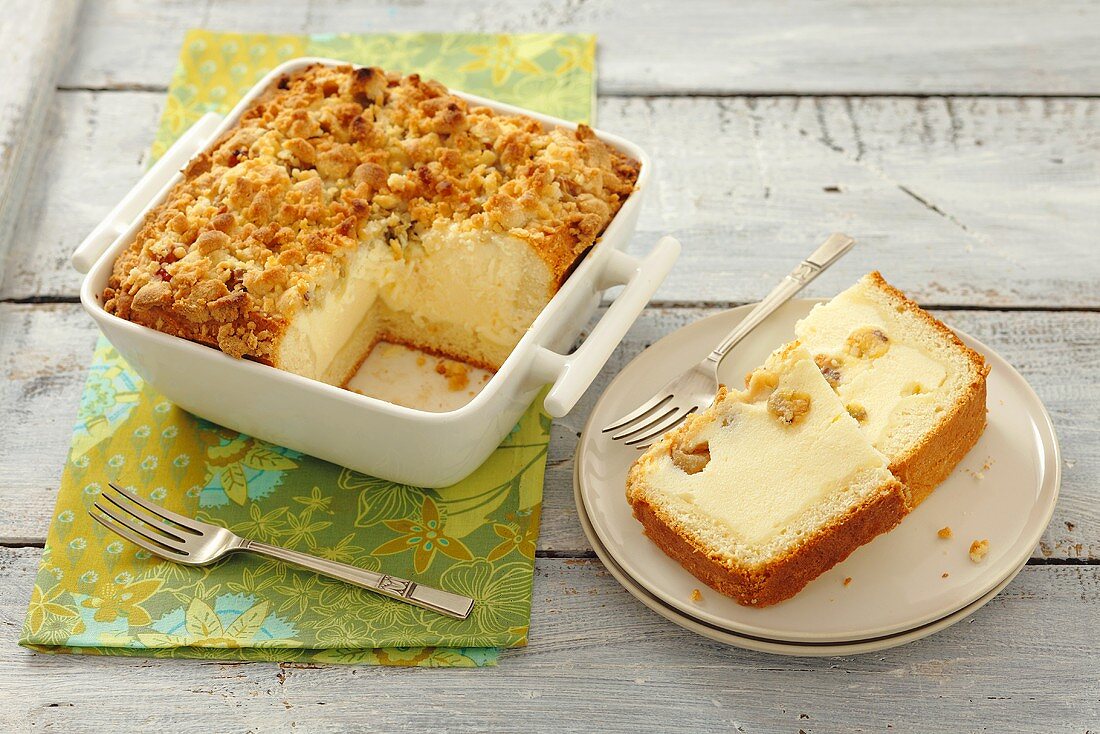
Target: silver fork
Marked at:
190, 542
694, 389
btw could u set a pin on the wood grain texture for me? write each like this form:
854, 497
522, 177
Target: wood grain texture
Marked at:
987, 202
599, 659
657, 47
35, 48
44, 351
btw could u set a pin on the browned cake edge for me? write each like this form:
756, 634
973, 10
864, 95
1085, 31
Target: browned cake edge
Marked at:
929, 462
782, 578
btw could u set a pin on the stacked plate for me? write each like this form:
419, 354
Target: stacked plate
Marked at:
904, 585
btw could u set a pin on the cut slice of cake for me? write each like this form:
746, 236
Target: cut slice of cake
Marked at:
349, 206
768, 488
917, 391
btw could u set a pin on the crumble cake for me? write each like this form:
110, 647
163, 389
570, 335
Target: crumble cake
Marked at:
767, 488
835, 439
350, 206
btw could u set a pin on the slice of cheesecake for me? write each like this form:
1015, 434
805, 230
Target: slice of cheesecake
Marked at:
350, 206
917, 391
768, 488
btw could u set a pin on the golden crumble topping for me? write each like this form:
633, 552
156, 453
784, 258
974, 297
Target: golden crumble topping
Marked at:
978, 550
456, 373
867, 342
331, 157
830, 368
690, 454
789, 406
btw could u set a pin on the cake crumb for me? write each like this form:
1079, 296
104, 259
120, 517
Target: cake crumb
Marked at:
978, 549
944, 532
696, 595
421, 360
944, 575
457, 375
847, 580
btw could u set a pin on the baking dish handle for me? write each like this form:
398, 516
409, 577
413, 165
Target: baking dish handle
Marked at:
144, 191
573, 373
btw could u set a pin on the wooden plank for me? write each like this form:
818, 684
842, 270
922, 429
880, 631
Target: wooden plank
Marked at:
93, 152
953, 199
34, 51
1025, 663
44, 350
691, 46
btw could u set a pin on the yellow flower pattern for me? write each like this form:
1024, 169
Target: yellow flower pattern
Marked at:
425, 536
501, 58
124, 599
516, 537
97, 594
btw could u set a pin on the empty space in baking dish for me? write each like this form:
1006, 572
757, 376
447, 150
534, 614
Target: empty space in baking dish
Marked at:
414, 379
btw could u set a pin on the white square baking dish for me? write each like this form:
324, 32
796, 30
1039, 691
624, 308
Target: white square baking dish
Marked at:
362, 433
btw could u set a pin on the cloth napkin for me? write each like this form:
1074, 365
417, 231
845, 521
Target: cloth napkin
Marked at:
98, 594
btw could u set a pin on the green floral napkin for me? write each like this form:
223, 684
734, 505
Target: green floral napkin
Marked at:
97, 594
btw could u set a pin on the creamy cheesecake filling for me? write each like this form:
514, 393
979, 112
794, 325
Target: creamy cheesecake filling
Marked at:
317, 334
457, 292
466, 293
765, 473
891, 388
899, 382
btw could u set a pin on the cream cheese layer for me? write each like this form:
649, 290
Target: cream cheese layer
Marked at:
764, 472
456, 291
888, 385
317, 334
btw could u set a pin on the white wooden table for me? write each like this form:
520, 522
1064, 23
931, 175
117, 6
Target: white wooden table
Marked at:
959, 141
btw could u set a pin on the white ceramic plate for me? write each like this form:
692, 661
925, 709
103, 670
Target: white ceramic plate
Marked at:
1003, 491
801, 649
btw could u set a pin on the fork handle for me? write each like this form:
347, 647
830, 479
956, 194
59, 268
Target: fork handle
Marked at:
410, 592
824, 256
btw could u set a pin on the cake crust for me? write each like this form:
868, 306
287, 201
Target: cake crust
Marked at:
786, 575
926, 464
783, 575
330, 156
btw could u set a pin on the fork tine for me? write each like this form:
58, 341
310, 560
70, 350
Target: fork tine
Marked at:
157, 525
184, 522
642, 426
138, 540
638, 413
645, 440
122, 517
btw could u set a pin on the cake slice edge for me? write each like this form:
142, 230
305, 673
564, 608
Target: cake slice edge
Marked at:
762, 576
927, 463
784, 576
